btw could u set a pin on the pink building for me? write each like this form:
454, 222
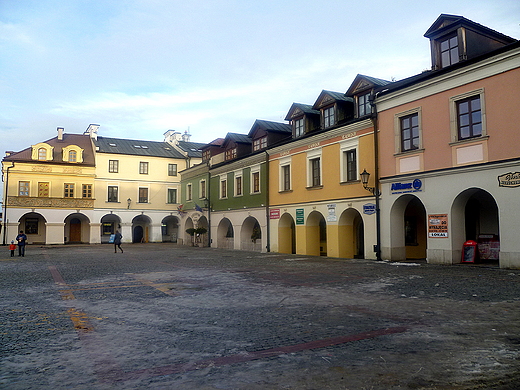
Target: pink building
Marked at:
449, 160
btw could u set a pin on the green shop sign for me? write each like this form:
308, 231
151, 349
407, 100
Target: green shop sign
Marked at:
299, 217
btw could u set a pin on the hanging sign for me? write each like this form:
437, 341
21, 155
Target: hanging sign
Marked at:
511, 179
437, 225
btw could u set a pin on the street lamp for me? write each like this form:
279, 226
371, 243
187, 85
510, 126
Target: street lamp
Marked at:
364, 180
128, 201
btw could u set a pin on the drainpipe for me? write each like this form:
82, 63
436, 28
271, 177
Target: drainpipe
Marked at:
376, 174
208, 197
5, 201
268, 225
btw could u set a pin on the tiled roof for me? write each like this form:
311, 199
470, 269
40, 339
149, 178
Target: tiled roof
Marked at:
272, 126
68, 139
136, 147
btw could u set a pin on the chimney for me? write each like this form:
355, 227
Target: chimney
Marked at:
60, 133
171, 137
92, 131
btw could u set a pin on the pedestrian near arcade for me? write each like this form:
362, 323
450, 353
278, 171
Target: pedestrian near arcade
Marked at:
117, 241
12, 248
21, 239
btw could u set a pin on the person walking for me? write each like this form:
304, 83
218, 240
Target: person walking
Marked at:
12, 248
21, 239
117, 241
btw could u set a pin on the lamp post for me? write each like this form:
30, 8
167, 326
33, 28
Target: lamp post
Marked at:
364, 180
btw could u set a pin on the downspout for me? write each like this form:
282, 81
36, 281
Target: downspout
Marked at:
376, 174
4, 226
208, 190
268, 224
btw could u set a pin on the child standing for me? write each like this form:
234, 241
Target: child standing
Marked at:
12, 248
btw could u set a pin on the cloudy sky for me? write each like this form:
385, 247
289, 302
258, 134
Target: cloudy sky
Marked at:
139, 68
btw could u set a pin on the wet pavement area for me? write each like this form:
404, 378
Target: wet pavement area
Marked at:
161, 316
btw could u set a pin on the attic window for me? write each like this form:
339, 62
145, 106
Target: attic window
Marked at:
112, 144
144, 146
167, 148
137, 146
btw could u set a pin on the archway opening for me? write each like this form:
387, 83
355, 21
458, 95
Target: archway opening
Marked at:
170, 229
141, 229
286, 234
225, 234
351, 235
316, 234
109, 224
251, 235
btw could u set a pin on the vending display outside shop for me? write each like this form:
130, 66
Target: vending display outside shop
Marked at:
437, 225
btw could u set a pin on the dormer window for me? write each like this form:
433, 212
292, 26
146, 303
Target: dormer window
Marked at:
42, 154
299, 127
206, 155
449, 49
328, 117
231, 154
260, 143
363, 105
73, 155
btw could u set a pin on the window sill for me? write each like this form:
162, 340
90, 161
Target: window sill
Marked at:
350, 182
408, 152
470, 140
285, 191
315, 187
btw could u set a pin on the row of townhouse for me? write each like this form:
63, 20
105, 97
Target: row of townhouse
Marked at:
407, 169
81, 188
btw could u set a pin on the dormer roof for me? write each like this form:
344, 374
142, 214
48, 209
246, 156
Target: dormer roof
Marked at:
364, 83
269, 126
329, 97
299, 109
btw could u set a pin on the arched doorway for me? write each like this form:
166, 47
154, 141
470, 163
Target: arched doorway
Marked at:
34, 226
170, 229
286, 234
316, 234
408, 236
188, 239
225, 234
351, 235
203, 223
109, 224
77, 229
140, 229
475, 217
251, 235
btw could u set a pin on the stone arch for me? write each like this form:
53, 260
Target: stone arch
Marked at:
109, 224
225, 234
77, 229
316, 234
286, 234
474, 212
141, 228
34, 226
170, 229
251, 235
351, 235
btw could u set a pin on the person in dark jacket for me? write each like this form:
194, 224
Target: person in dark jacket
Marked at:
21, 239
117, 241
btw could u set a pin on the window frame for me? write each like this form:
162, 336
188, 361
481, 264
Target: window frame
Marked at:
329, 116
113, 166
172, 170
398, 131
68, 190
260, 143
111, 190
299, 127
450, 50
42, 154
454, 120
169, 196
285, 183
363, 101
143, 167
86, 189
231, 154
314, 174
73, 155
352, 144
189, 191
202, 189
24, 187
223, 192
143, 195
255, 187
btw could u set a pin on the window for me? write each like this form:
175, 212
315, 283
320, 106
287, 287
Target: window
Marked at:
31, 225
23, 188
315, 172
42, 154
223, 188
189, 193
256, 182
113, 193
351, 168
69, 190
143, 168
73, 156
172, 195
231, 154
449, 49
143, 195
469, 118
238, 185
286, 178
202, 189
86, 191
363, 106
113, 166
43, 190
299, 127
328, 117
172, 169
259, 143
409, 132
206, 155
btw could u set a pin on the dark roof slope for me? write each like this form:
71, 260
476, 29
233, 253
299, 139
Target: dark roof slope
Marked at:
136, 147
238, 138
192, 148
270, 126
82, 141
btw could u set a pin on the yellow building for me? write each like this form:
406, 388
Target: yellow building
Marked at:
49, 190
318, 205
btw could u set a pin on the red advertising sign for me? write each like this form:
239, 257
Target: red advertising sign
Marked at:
274, 214
437, 225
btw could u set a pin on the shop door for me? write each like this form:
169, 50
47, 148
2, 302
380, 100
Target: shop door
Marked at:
75, 230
